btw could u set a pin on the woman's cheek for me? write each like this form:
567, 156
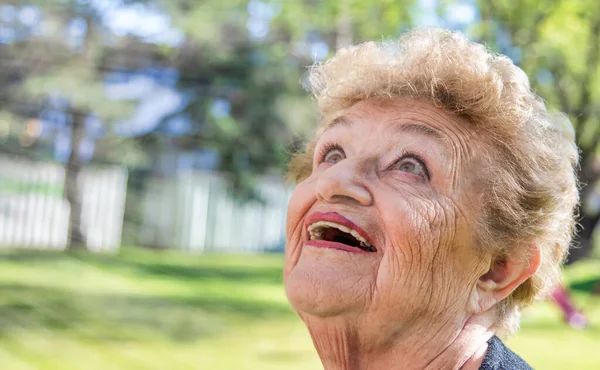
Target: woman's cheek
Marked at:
300, 203
414, 236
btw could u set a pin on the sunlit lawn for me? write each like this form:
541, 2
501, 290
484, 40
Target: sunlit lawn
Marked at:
164, 310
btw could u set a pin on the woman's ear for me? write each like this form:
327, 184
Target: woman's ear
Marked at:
504, 276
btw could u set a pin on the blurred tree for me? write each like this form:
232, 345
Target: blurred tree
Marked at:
343, 22
55, 54
557, 43
244, 85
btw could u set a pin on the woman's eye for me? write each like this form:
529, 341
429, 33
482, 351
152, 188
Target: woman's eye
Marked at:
333, 156
409, 167
413, 166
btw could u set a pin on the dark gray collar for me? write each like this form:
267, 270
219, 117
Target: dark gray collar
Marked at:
499, 357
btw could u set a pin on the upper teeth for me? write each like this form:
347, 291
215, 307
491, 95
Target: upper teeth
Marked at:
316, 231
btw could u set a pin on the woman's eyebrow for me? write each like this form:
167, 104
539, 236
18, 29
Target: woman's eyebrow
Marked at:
422, 129
339, 121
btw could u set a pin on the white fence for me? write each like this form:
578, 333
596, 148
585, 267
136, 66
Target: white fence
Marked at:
197, 212
34, 214
192, 211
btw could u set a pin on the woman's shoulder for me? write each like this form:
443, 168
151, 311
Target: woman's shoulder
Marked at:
499, 357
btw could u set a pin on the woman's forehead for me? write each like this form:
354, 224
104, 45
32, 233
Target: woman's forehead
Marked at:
396, 108
403, 117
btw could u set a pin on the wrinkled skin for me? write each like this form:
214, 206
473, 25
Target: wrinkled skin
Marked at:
415, 295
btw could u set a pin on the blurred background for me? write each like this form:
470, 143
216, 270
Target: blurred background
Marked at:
142, 151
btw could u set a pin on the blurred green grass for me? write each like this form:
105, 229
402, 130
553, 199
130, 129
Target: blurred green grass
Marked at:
145, 309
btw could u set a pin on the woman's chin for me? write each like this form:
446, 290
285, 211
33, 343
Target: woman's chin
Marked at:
316, 287
309, 294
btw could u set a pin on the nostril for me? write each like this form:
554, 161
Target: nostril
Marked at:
344, 198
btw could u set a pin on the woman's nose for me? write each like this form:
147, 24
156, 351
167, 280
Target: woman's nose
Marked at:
344, 182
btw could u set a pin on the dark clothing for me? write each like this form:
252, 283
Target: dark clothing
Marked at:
499, 357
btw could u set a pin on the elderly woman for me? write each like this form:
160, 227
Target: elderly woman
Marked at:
435, 201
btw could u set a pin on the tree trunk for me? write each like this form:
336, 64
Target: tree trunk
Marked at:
583, 243
76, 237
589, 216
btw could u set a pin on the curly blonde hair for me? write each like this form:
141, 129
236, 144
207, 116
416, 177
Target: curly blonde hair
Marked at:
530, 189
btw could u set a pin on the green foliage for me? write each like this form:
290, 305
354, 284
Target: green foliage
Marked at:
369, 20
82, 87
556, 42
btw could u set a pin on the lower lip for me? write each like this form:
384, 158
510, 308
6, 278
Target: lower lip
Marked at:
334, 245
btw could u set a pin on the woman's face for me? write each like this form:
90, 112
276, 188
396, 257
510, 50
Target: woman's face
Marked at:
383, 229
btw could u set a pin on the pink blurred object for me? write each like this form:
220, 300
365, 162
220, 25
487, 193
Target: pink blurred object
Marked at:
574, 317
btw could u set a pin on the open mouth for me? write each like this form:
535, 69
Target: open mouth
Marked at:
333, 232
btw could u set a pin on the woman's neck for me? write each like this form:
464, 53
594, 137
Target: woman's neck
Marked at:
345, 344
